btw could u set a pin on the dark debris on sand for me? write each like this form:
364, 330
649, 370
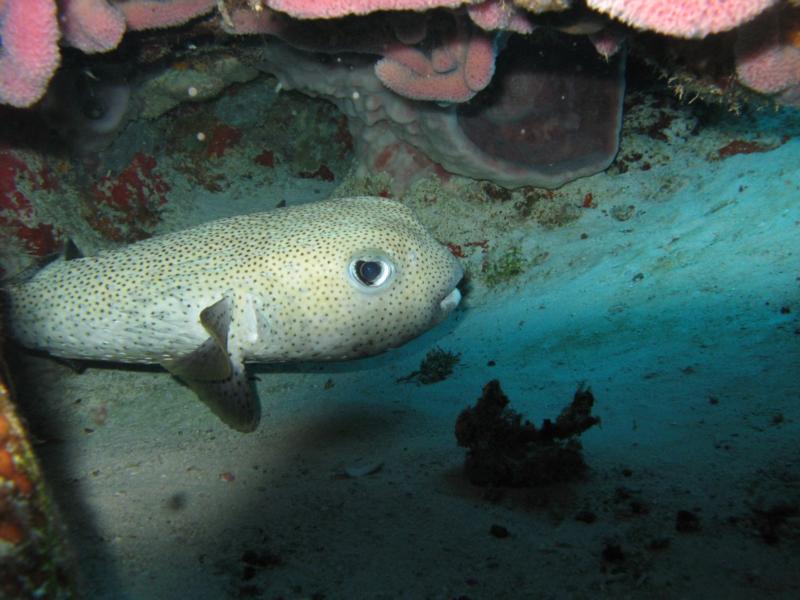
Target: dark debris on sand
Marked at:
505, 451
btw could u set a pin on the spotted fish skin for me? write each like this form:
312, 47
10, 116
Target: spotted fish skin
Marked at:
331, 280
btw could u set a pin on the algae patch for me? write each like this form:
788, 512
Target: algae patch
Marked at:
436, 366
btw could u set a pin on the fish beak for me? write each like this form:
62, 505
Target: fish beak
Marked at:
451, 300
449, 303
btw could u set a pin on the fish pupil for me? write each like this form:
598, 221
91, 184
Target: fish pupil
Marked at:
369, 271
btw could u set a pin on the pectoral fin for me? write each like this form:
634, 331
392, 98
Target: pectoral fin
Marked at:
232, 399
216, 373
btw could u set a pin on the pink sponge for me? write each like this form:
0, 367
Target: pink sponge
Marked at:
455, 72
30, 32
29, 54
91, 25
329, 9
156, 14
682, 18
768, 55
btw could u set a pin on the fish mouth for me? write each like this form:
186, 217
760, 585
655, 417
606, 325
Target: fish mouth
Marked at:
452, 298
450, 302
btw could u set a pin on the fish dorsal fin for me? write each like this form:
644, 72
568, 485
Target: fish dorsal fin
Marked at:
68, 252
71, 250
216, 373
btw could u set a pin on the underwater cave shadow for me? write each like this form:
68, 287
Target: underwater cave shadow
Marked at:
351, 426
297, 487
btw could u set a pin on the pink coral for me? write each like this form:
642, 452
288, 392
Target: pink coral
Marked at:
768, 55
443, 58
91, 25
682, 18
29, 54
30, 32
329, 9
492, 15
487, 14
155, 14
457, 69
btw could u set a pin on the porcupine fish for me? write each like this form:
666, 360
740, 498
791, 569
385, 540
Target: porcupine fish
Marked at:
332, 280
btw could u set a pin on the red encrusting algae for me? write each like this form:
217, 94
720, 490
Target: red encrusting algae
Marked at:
17, 212
125, 207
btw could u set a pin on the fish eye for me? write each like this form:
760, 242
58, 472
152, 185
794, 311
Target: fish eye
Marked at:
371, 272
